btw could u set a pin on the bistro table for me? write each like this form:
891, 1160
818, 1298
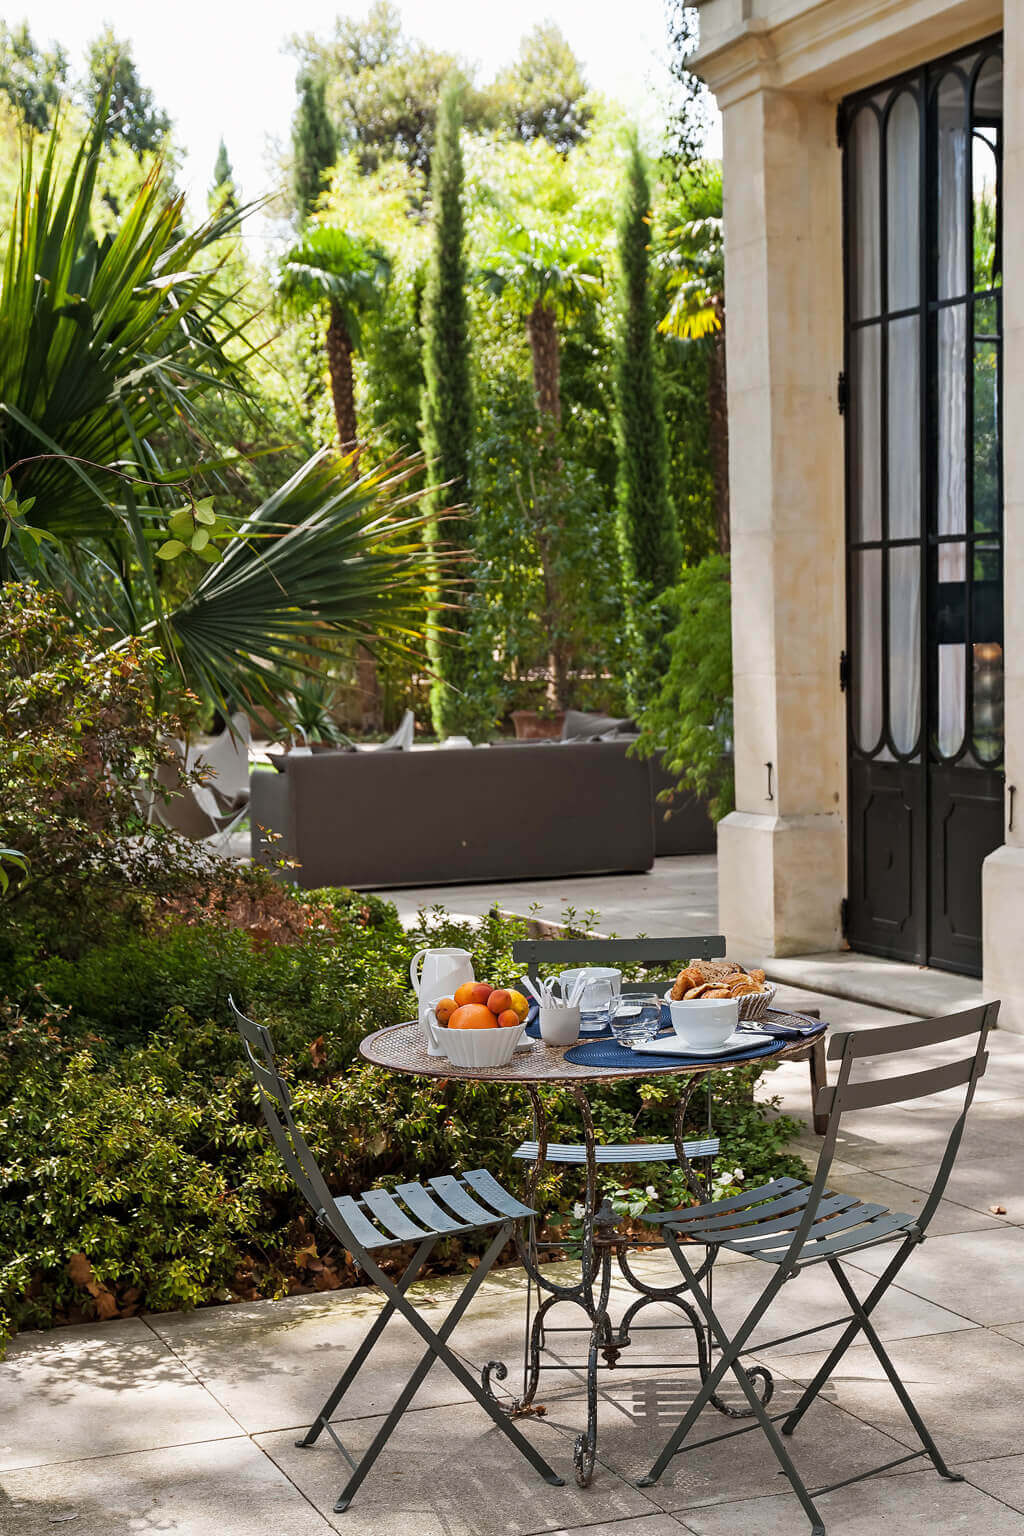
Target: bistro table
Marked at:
403, 1048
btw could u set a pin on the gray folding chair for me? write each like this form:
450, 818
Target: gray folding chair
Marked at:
790, 1226
378, 1220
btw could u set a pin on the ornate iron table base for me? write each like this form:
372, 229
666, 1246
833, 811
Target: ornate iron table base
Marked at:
603, 1247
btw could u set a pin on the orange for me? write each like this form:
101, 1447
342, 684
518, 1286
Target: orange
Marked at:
472, 1016
499, 1001
509, 1018
444, 1009
464, 994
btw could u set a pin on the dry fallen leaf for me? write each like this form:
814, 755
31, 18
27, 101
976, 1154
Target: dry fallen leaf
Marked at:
80, 1270
106, 1305
998, 1210
318, 1052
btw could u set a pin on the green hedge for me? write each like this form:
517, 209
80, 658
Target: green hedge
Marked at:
136, 1172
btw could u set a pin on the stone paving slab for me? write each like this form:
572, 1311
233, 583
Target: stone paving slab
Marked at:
222, 1488
980, 1275
968, 1387
894, 1191
918, 1505
1001, 1476
97, 1390
449, 1472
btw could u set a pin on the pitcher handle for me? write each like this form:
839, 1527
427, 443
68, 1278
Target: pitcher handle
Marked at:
416, 970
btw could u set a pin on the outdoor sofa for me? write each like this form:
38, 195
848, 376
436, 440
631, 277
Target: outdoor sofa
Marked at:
440, 816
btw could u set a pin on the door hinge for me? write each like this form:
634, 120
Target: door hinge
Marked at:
844, 671
842, 393
844, 917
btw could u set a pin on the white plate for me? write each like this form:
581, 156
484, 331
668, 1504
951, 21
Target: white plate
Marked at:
673, 1045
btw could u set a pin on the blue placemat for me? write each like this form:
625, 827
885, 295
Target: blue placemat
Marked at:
607, 1053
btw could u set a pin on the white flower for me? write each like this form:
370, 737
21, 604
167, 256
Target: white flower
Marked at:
651, 1192
579, 1211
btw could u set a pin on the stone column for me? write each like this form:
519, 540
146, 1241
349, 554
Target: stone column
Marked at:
1003, 870
782, 852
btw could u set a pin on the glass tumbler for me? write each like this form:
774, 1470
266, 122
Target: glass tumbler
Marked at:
636, 1018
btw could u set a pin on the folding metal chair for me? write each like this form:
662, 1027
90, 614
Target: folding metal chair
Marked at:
790, 1226
375, 1221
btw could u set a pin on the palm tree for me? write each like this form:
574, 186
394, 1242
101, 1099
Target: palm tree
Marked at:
695, 268
333, 270
554, 279
109, 353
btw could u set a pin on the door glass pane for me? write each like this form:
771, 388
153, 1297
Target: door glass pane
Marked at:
865, 427
950, 108
902, 164
864, 264
983, 170
904, 410
952, 499
904, 646
986, 437
949, 621
867, 655
988, 702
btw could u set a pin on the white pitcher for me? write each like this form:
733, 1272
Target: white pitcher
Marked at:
435, 973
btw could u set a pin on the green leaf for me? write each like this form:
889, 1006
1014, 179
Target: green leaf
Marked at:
180, 523
171, 549
204, 512
200, 539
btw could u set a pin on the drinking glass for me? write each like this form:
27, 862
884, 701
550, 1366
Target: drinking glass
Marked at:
636, 1018
596, 1005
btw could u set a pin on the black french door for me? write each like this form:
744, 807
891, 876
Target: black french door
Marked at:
922, 169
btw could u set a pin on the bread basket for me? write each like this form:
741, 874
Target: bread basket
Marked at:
753, 1005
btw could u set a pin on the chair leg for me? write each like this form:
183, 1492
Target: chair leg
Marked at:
355, 1365
839, 1349
437, 1349
731, 1349
715, 1377
906, 1401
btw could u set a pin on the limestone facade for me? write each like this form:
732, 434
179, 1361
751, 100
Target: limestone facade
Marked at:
778, 69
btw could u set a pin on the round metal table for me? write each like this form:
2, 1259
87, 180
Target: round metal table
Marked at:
403, 1048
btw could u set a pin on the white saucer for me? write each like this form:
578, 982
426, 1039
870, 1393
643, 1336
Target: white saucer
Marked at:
674, 1045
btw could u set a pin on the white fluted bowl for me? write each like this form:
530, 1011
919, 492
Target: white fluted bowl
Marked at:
479, 1047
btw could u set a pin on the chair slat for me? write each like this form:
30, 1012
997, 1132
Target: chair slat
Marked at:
769, 1216
488, 1188
427, 1210
856, 1215
730, 1203
897, 1090
461, 1201
915, 1034
676, 951
652, 1152
846, 1242
362, 1230
386, 1209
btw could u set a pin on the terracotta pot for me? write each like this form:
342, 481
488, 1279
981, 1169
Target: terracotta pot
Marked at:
531, 725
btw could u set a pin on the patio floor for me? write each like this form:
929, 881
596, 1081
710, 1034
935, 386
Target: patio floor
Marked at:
186, 1423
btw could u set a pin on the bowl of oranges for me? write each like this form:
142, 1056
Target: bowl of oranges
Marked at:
480, 1026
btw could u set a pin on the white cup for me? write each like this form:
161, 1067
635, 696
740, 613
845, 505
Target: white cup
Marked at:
559, 1026
705, 1022
595, 996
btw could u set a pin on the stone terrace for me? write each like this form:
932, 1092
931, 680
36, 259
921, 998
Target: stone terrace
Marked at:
186, 1424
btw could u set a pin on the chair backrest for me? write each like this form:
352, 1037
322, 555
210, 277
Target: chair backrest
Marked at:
657, 951
227, 757
849, 1095
276, 1104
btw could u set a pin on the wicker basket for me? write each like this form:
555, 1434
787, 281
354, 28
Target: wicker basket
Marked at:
754, 1005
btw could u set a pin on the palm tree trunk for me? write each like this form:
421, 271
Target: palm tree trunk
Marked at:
343, 391
718, 421
542, 332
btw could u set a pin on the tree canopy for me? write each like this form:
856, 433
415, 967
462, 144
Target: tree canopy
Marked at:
133, 115
32, 78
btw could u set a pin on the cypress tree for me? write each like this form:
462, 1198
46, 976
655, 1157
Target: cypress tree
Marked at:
648, 535
223, 194
314, 142
447, 403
